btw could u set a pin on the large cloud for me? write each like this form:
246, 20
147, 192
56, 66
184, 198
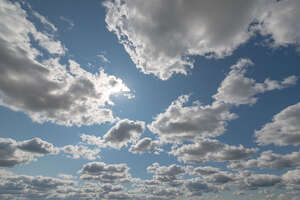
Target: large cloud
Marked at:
238, 89
159, 34
179, 122
46, 90
211, 150
283, 130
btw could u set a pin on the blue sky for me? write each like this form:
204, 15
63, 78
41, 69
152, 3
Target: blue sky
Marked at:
130, 99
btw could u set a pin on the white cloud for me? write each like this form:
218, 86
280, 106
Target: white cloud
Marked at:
211, 150
103, 58
283, 130
280, 21
159, 34
45, 21
77, 151
47, 91
69, 22
238, 89
180, 123
292, 179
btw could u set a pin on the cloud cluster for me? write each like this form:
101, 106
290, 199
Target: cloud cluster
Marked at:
211, 150
78, 151
47, 90
146, 145
283, 130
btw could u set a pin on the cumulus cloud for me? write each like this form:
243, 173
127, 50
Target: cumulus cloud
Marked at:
283, 130
123, 132
47, 90
254, 181
292, 179
105, 173
160, 35
146, 145
280, 22
78, 151
13, 153
171, 175
238, 89
188, 123
197, 187
270, 160
211, 150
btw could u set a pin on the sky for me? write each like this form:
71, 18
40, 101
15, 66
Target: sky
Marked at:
149, 100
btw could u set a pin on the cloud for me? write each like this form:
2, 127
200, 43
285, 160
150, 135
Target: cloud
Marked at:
196, 187
254, 181
146, 145
238, 89
123, 132
13, 153
69, 22
47, 90
37, 146
283, 130
292, 179
159, 35
279, 21
45, 21
78, 151
270, 160
103, 58
105, 173
171, 175
188, 123
211, 150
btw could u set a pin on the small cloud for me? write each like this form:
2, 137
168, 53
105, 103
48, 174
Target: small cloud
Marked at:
103, 58
70, 22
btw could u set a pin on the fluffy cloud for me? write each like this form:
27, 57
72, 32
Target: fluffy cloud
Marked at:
46, 90
197, 187
123, 132
106, 173
211, 150
13, 153
180, 123
292, 179
238, 89
171, 175
159, 35
270, 160
280, 22
283, 130
145, 145
254, 181
77, 151
37, 146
